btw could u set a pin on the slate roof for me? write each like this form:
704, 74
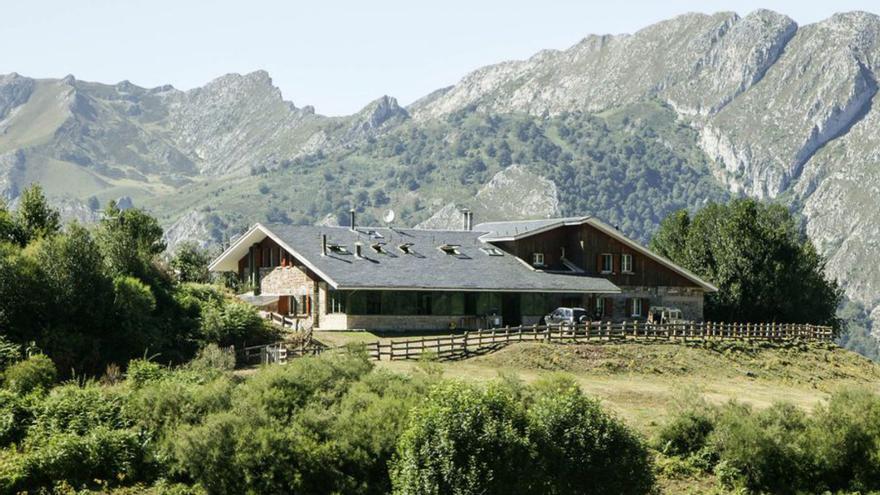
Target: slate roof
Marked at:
427, 267
511, 229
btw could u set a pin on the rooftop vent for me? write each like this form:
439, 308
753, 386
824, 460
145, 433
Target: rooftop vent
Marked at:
451, 249
378, 247
358, 250
351, 219
467, 219
406, 247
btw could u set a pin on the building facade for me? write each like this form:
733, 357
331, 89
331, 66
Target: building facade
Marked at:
488, 275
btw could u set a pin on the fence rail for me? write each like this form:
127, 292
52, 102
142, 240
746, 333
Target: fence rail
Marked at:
462, 345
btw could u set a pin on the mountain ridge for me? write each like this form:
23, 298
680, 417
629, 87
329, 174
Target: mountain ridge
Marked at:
775, 110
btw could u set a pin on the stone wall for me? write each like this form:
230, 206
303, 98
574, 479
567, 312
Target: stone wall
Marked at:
285, 281
688, 300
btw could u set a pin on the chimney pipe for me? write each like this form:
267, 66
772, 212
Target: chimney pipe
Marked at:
466, 219
358, 250
351, 218
323, 244
470, 220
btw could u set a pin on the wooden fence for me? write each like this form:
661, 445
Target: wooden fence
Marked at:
462, 345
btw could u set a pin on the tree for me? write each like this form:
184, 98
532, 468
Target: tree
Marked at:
763, 264
7, 224
190, 263
130, 241
34, 217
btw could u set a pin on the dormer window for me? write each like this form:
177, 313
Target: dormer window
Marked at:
378, 247
450, 249
492, 251
338, 249
537, 259
406, 248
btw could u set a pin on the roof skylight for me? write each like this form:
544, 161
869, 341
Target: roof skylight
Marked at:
492, 251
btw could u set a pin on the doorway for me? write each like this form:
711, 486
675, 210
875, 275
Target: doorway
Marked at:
511, 309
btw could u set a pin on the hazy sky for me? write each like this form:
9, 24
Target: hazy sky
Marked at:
334, 55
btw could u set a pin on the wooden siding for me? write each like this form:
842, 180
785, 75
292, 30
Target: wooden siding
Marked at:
583, 245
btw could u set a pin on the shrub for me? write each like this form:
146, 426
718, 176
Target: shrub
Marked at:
14, 417
78, 410
760, 451
160, 406
580, 449
685, 434
844, 442
9, 353
280, 391
101, 455
232, 323
463, 440
213, 358
142, 371
36, 372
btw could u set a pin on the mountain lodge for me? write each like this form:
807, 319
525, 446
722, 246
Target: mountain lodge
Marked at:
489, 275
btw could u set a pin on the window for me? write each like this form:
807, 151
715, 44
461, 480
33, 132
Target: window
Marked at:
336, 302
305, 305
451, 249
374, 303
600, 307
626, 263
337, 248
492, 251
607, 263
424, 303
636, 307
538, 259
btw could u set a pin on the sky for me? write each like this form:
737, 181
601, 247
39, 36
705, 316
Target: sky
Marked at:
335, 55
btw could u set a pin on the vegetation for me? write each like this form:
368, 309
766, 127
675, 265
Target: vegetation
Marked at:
781, 449
631, 167
89, 298
763, 265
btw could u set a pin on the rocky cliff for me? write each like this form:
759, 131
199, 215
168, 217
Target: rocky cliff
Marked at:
626, 126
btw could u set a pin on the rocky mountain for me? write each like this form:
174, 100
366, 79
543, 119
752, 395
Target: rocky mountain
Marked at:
629, 127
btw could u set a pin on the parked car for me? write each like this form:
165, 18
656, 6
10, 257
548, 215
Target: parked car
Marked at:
566, 316
665, 315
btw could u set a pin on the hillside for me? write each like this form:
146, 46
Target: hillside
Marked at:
627, 127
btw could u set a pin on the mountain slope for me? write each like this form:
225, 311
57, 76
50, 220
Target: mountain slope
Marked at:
628, 127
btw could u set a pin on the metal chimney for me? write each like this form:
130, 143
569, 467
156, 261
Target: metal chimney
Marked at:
358, 250
351, 218
466, 219
323, 244
470, 220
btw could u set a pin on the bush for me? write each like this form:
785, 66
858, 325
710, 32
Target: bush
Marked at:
581, 449
102, 455
761, 451
232, 323
142, 371
844, 442
685, 434
463, 440
213, 358
9, 353
36, 372
14, 417
78, 410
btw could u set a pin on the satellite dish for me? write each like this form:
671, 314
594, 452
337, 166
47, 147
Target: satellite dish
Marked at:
389, 216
